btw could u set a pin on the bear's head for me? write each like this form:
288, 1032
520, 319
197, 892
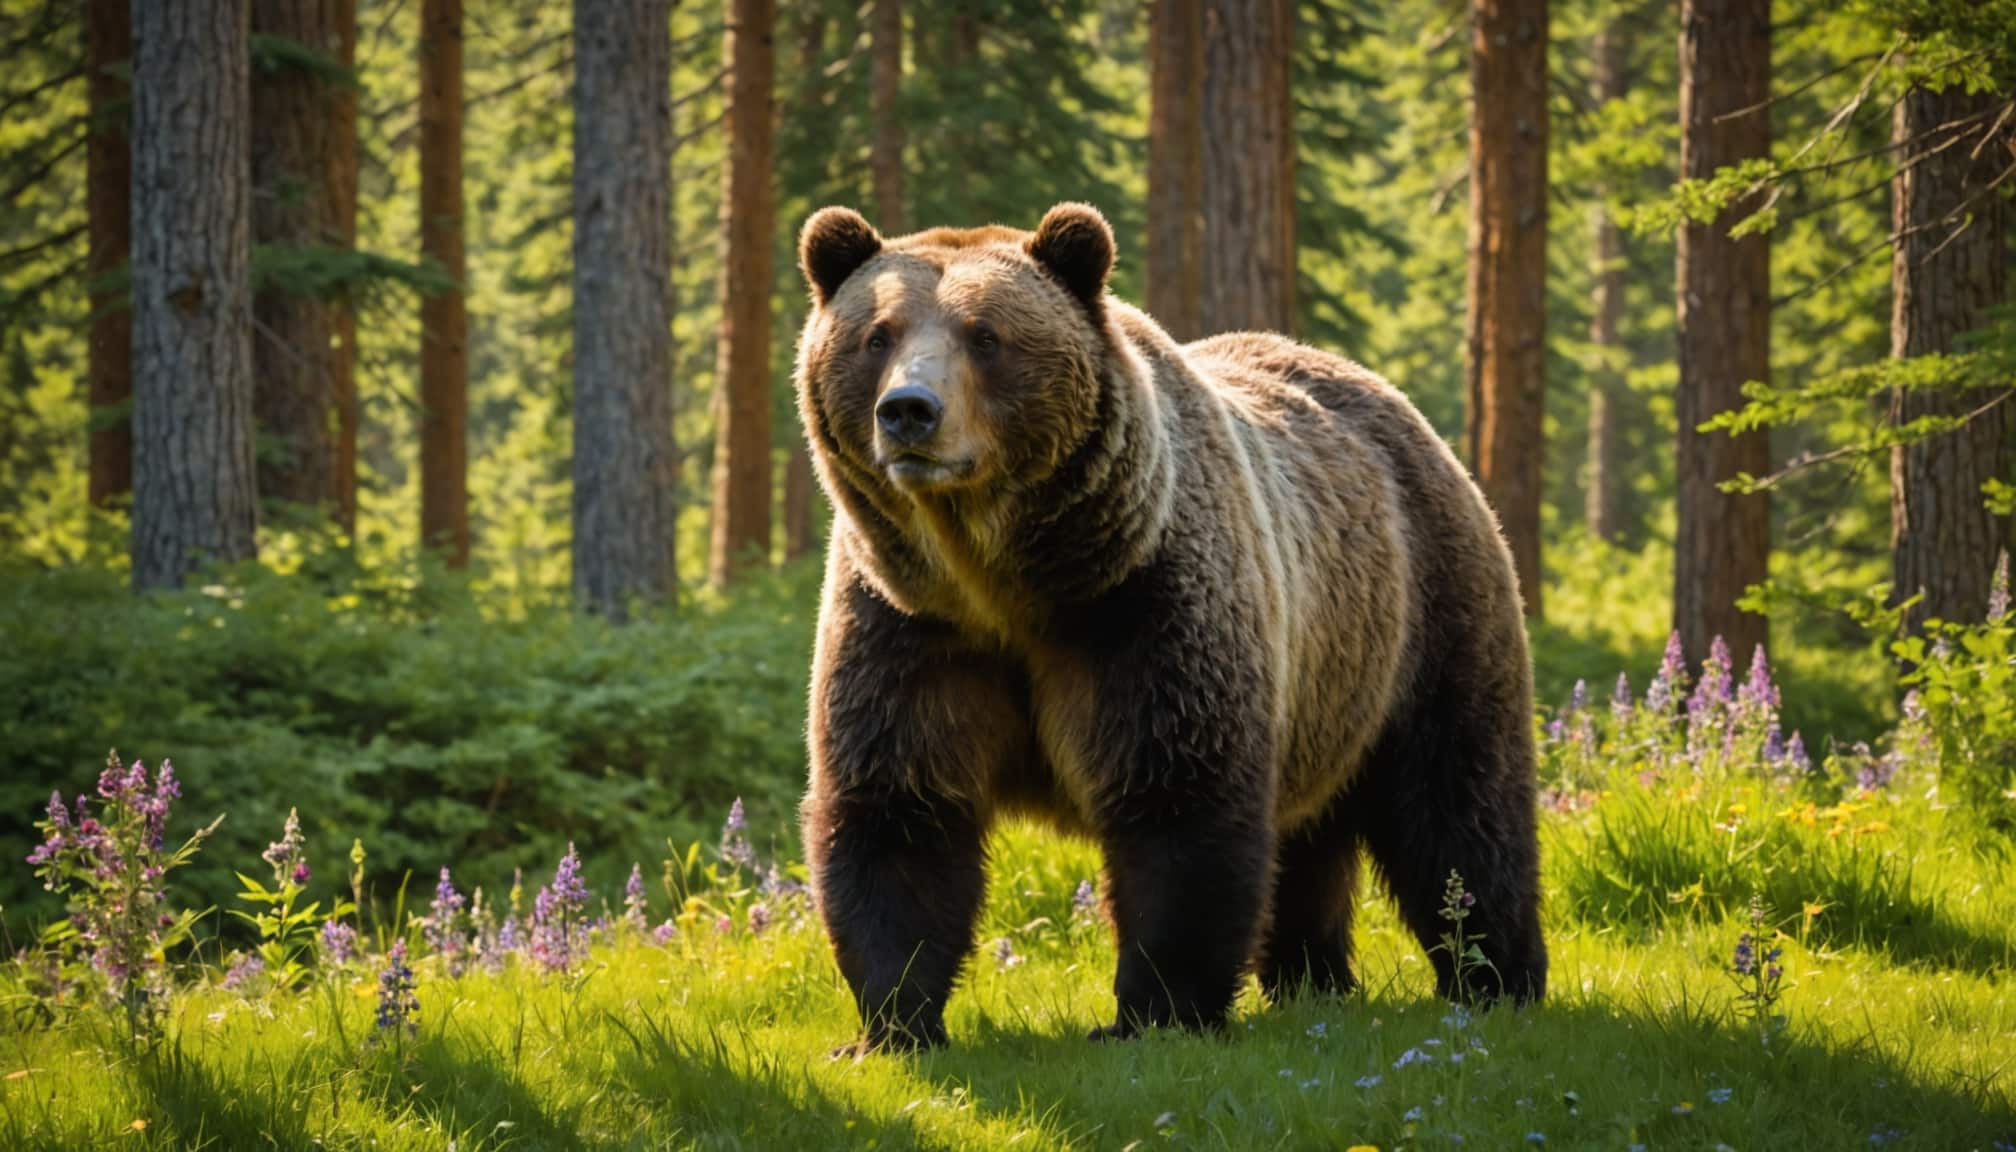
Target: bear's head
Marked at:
952, 362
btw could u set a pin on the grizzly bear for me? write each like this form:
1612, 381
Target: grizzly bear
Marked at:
1231, 609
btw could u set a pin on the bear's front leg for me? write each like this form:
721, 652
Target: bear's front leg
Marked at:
908, 728
1187, 871
900, 883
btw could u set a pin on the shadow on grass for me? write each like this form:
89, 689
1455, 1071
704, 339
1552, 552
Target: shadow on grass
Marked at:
727, 1091
476, 1093
1675, 1075
192, 1106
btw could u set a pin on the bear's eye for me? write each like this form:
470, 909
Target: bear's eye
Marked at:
984, 341
878, 340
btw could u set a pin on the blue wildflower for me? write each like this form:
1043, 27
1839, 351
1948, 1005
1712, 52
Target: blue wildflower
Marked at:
398, 996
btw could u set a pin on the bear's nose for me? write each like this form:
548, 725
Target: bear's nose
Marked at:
909, 414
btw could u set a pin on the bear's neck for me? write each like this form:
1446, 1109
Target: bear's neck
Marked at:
999, 563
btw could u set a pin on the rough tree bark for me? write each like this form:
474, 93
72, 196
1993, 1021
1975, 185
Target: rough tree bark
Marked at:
1505, 344
1606, 483
293, 148
193, 496
108, 50
1723, 543
1247, 272
885, 156
1947, 272
741, 520
1176, 165
444, 320
624, 462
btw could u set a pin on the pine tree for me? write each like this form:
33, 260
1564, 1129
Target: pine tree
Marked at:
624, 460
444, 319
1603, 496
1724, 289
193, 494
885, 158
298, 46
108, 54
1248, 279
742, 465
1506, 339
1948, 274
1175, 165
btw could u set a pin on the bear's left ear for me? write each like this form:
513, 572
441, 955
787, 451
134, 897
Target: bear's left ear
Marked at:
1075, 246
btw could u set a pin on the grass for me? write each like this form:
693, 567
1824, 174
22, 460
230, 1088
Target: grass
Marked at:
721, 1040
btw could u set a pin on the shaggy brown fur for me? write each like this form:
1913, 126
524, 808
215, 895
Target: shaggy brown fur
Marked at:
1231, 608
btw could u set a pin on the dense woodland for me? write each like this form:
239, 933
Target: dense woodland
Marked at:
398, 297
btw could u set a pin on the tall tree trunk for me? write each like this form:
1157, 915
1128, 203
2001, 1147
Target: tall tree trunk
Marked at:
798, 462
293, 130
1724, 289
193, 496
741, 520
1603, 497
1176, 165
885, 158
444, 319
1248, 259
341, 196
1506, 337
1947, 273
624, 463
108, 51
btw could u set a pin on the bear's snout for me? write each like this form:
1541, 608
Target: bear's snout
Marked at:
909, 414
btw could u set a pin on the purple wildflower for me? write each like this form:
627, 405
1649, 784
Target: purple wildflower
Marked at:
1004, 954
1774, 745
634, 900
1796, 759
1745, 960
558, 936
664, 933
735, 847
288, 855
1620, 700
1998, 592
1670, 681
245, 968
339, 942
1758, 692
398, 996
759, 918
443, 929
1084, 901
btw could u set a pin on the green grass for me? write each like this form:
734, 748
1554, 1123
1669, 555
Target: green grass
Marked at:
722, 1040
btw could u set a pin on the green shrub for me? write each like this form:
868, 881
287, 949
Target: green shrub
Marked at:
389, 705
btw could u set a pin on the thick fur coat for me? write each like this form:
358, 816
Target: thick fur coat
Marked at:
1231, 608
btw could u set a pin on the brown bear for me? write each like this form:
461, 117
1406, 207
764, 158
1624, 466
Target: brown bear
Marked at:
1232, 609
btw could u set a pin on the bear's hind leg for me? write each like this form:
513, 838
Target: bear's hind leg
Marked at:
1308, 941
1452, 791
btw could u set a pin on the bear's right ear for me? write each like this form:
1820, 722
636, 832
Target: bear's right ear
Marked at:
835, 242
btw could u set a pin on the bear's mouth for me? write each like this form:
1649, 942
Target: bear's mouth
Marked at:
915, 471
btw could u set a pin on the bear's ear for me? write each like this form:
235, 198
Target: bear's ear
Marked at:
1075, 246
834, 243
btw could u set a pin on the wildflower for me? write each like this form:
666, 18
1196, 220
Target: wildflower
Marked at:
1369, 1081
1720, 1095
1745, 961
735, 847
759, 918
398, 998
1084, 901
1684, 1108
1620, 700
725, 924
1758, 692
245, 968
1412, 1056
1004, 954
1412, 1114
289, 854
1317, 1031
1536, 1137
663, 934
1796, 759
445, 910
339, 942
1670, 681
558, 936
634, 902
1998, 592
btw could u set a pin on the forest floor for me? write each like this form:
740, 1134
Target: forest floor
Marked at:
722, 1038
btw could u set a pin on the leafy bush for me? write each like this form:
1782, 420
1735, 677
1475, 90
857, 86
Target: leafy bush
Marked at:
391, 703
1966, 685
